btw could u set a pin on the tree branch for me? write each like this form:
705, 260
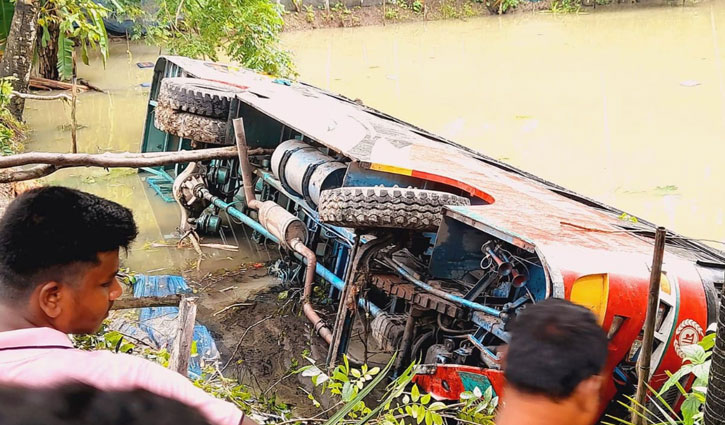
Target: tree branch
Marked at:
61, 96
55, 161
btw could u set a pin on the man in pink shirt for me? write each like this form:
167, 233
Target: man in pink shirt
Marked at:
59, 256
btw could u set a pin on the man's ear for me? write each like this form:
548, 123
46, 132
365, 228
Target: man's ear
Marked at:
587, 393
49, 296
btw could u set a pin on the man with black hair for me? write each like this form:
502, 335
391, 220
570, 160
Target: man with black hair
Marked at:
553, 365
59, 256
78, 404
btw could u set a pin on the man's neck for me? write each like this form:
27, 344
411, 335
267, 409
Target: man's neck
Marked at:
520, 408
11, 319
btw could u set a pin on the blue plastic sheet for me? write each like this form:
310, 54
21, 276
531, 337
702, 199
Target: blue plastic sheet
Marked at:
157, 325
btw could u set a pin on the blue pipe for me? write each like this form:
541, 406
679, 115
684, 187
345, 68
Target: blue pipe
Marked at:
321, 270
435, 291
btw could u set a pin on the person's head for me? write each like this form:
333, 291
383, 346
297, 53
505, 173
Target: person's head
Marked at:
557, 351
78, 404
59, 256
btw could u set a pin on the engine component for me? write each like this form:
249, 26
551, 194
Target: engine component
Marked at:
209, 224
440, 353
197, 96
190, 126
390, 207
219, 175
281, 223
387, 330
305, 171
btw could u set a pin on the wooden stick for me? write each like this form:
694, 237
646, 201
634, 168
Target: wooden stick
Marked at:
52, 162
124, 159
645, 352
74, 103
29, 96
181, 350
47, 84
165, 301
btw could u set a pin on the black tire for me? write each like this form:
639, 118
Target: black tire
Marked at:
398, 208
197, 96
190, 126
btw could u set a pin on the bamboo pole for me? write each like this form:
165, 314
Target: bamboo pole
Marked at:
645, 352
74, 103
181, 349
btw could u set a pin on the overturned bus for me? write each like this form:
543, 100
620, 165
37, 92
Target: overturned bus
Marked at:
435, 245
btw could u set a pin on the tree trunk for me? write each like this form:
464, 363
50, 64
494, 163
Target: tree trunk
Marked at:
48, 55
18, 57
715, 401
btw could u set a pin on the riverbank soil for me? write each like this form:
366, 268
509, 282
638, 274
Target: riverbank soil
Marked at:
400, 11
261, 333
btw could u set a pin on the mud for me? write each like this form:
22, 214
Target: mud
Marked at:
263, 337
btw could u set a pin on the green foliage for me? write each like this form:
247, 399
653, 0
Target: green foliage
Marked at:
80, 23
212, 380
501, 6
467, 11
566, 6
696, 362
448, 9
391, 13
246, 31
627, 217
12, 131
397, 406
65, 57
309, 14
417, 6
7, 7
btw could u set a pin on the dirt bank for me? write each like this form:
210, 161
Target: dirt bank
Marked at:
263, 335
404, 11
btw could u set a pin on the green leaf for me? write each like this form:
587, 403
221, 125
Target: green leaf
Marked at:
487, 394
694, 353
708, 342
477, 392
355, 373
347, 365
46, 37
348, 392
415, 393
65, 57
437, 419
420, 413
436, 406
401, 382
690, 407
425, 399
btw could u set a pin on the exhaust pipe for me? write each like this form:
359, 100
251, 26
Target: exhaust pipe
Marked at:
288, 229
243, 152
319, 325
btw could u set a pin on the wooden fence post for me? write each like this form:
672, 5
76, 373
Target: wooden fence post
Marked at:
181, 349
645, 353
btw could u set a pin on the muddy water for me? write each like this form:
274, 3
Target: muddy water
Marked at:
626, 106
113, 121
